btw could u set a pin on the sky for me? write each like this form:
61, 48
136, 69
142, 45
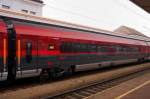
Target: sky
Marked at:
103, 14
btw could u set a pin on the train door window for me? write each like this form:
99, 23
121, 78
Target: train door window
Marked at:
78, 47
75, 47
82, 47
28, 52
62, 47
99, 49
70, 47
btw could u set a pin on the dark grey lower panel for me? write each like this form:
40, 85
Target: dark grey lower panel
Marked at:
64, 61
25, 65
1, 65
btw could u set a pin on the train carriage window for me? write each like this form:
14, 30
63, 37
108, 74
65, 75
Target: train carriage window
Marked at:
62, 47
81, 47
107, 49
103, 49
28, 52
66, 47
127, 49
72, 47
69, 47
84, 47
76, 47
134, 49
92, 48
99, 49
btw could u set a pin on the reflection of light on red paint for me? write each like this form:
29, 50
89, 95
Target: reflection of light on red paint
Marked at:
50, 64
61, 58
19, 52
4, 61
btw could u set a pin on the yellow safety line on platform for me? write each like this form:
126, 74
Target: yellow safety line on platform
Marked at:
132, 90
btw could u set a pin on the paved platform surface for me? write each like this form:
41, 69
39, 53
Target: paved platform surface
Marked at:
137, 88
139, 93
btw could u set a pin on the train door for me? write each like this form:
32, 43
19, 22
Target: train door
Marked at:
28, 55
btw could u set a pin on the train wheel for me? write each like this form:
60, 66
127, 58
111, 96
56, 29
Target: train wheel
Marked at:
56, 72
11, 75
141, 60
44, 75
71, 70
52, 75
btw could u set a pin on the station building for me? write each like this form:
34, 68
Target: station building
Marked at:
33, 7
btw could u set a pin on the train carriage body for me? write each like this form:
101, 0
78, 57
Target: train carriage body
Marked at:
59, 49
3, 50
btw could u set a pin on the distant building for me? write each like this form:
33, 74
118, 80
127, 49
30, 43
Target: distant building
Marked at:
128, 31
33, 7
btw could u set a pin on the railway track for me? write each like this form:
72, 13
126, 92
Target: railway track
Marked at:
24, 83
88, 90
22, 88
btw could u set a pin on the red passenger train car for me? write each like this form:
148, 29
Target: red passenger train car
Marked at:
29, 48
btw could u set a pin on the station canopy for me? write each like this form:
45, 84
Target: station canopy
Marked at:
145, 4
